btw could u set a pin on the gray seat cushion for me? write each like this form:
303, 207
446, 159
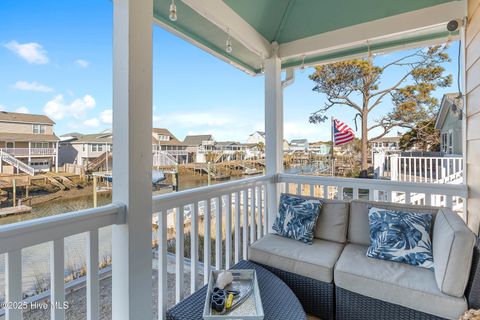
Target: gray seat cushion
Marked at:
453, 244
333, 221
409, 286
358, 228
314, 261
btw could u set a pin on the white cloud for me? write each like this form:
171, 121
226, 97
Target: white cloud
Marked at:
22, 110
31, 86
58, 109
302, 129
31, 52
2, 108
106, 116
92, 123
82, 63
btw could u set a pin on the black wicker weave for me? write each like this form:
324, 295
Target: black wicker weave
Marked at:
473, 287
354, 306
279, 302
317, 297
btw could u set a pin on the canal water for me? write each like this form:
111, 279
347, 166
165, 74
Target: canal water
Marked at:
36, 259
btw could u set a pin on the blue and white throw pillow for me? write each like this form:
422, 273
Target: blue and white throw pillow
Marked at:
297, 217
401, 237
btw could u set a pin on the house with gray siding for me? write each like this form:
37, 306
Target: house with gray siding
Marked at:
449, 123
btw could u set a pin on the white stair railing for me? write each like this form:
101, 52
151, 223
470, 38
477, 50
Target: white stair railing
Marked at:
163, 159
8, 158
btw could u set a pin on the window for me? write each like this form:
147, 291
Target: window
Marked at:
94, 147
444, 142
40, 145
162, 137
100, 147
38, 129
450, 142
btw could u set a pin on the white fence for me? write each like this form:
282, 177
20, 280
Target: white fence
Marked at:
419, 169
236, 209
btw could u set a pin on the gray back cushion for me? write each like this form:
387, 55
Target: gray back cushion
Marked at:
358, 228
453, 244
333, 221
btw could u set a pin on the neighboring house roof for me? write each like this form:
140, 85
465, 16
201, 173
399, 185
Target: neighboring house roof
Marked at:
445, 106
92, 138
196, 140
25, 118
261, 133
299, 141
165, 132
28, 137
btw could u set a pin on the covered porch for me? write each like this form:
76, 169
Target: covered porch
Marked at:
260, 38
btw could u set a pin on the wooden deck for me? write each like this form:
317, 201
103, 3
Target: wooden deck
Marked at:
14, 210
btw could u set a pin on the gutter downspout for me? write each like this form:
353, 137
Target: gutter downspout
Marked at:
289, 79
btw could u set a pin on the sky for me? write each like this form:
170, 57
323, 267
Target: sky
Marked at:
56, 59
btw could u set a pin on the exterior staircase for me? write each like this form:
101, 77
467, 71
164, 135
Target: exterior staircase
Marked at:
98, 161
163, 159
11, 160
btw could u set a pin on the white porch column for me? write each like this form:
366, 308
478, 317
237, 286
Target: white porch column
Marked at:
132, 169
29, 152
273, 131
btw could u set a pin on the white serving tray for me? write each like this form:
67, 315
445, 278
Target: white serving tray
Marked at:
250, 309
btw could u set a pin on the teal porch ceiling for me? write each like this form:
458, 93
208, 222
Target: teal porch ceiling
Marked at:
285, 21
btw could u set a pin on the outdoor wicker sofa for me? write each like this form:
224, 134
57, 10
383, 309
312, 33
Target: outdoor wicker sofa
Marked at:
334, 279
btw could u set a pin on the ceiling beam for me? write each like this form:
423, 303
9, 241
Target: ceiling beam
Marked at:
220, 14
374, 30
183, 34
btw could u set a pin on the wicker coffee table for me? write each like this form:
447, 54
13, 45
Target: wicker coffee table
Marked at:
279, 302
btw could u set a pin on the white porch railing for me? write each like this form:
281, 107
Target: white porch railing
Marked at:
33, 151
444, 195
236, 210
419, 169
243, 206
53, 230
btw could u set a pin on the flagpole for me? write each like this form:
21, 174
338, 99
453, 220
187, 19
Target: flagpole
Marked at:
332, 164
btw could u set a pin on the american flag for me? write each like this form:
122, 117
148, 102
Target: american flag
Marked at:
341, 133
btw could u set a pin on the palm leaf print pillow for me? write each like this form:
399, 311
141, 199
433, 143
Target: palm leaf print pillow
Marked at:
297, 217
401, 237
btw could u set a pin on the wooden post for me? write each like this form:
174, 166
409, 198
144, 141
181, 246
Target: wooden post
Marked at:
14, 189
209, 172
132, 174
95, 191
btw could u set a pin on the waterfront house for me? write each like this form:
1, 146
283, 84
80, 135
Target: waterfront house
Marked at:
91, 151
28, 143
321, 147
198, 146
300, 145
450, 123
164, 142
385, 144
239, 33
256, 137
